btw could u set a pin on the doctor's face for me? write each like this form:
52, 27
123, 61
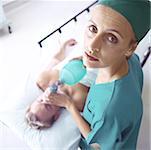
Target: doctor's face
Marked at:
108, 38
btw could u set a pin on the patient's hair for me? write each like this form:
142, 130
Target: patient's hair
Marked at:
35, 123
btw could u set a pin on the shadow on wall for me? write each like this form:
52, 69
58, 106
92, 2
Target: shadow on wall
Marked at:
145, 132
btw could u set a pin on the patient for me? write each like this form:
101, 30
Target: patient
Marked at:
41, 114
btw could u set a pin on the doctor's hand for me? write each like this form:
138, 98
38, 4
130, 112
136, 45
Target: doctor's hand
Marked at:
60, 99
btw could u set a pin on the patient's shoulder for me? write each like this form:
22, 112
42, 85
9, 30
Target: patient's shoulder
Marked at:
79, 95
46, 78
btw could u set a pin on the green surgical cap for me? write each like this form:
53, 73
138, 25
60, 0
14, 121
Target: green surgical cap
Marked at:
137, 12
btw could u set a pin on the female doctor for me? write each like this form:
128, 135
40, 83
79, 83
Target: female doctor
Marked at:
113, 110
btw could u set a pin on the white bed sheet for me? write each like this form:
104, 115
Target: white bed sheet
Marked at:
9, 141
64, 133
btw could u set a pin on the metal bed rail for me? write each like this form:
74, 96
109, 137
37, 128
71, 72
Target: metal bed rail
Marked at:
72, 19
146, 56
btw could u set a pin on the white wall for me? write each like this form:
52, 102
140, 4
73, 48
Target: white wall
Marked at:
145, 132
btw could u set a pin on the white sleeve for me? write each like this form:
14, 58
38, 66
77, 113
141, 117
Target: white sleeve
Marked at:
90, 77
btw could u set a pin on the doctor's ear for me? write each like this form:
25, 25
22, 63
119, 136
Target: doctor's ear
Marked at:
131, 49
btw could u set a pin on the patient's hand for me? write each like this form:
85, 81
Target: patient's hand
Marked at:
63, 49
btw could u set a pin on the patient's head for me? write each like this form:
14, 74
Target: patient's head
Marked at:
41, 114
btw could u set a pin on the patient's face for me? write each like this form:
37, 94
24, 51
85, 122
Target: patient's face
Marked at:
44, 111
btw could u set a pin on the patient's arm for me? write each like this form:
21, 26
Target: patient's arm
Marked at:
46, 78
48, 75
61, 54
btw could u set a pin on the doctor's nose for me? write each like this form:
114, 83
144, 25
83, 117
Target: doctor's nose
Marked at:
93, 51
95, 46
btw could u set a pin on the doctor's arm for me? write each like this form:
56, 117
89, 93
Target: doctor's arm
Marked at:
82, 124
63, 100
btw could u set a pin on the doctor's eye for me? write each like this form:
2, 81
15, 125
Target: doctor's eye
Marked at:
92, 28
112, 38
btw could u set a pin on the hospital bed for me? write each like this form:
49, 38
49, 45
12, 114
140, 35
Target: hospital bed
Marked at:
7, 134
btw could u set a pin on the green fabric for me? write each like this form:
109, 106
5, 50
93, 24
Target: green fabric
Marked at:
137, 12
114, 111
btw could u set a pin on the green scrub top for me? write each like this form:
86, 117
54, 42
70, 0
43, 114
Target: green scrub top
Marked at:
114, 111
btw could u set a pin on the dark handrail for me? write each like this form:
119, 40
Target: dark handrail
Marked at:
146, 56
73, 18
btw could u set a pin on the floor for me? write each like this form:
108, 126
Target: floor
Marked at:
21, 54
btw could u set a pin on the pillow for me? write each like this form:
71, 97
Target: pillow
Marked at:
64, 133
